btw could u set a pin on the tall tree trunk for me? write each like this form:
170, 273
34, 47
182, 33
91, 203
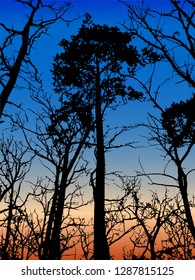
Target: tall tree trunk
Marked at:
183, 186
55, 252
152, 249
15, 69
101, 249
47, 241
5, 255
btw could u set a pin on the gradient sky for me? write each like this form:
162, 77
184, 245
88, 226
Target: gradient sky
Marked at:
112, 13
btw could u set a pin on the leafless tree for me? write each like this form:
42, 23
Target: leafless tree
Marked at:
179, 243
14, 165
59, 145
177, 149
117, 208
171, 128
153, 231
19, 65
37, 224
169, 32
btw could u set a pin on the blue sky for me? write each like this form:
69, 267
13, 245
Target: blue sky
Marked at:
112, 13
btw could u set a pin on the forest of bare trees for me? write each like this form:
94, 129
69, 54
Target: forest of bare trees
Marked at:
61, 196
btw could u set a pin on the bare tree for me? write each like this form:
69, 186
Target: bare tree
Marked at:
179, 243
117, 208
153, 229
175, 134
37, 225
58, 140
18, 64
172, 128
150, 26
14, 165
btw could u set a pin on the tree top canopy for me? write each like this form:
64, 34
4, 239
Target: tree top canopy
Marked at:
96, 50
179, 122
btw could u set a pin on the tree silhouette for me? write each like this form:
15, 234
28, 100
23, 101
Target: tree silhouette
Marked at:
160, 216
174, 132
18, 64
42, 227
171, 33
179, 243
69, 135
178, 122
15, 163
173, 129
59, 140
89, 73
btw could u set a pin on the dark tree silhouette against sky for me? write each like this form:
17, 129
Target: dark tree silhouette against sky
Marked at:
83, 162
20, 64
171, 33
89, 72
